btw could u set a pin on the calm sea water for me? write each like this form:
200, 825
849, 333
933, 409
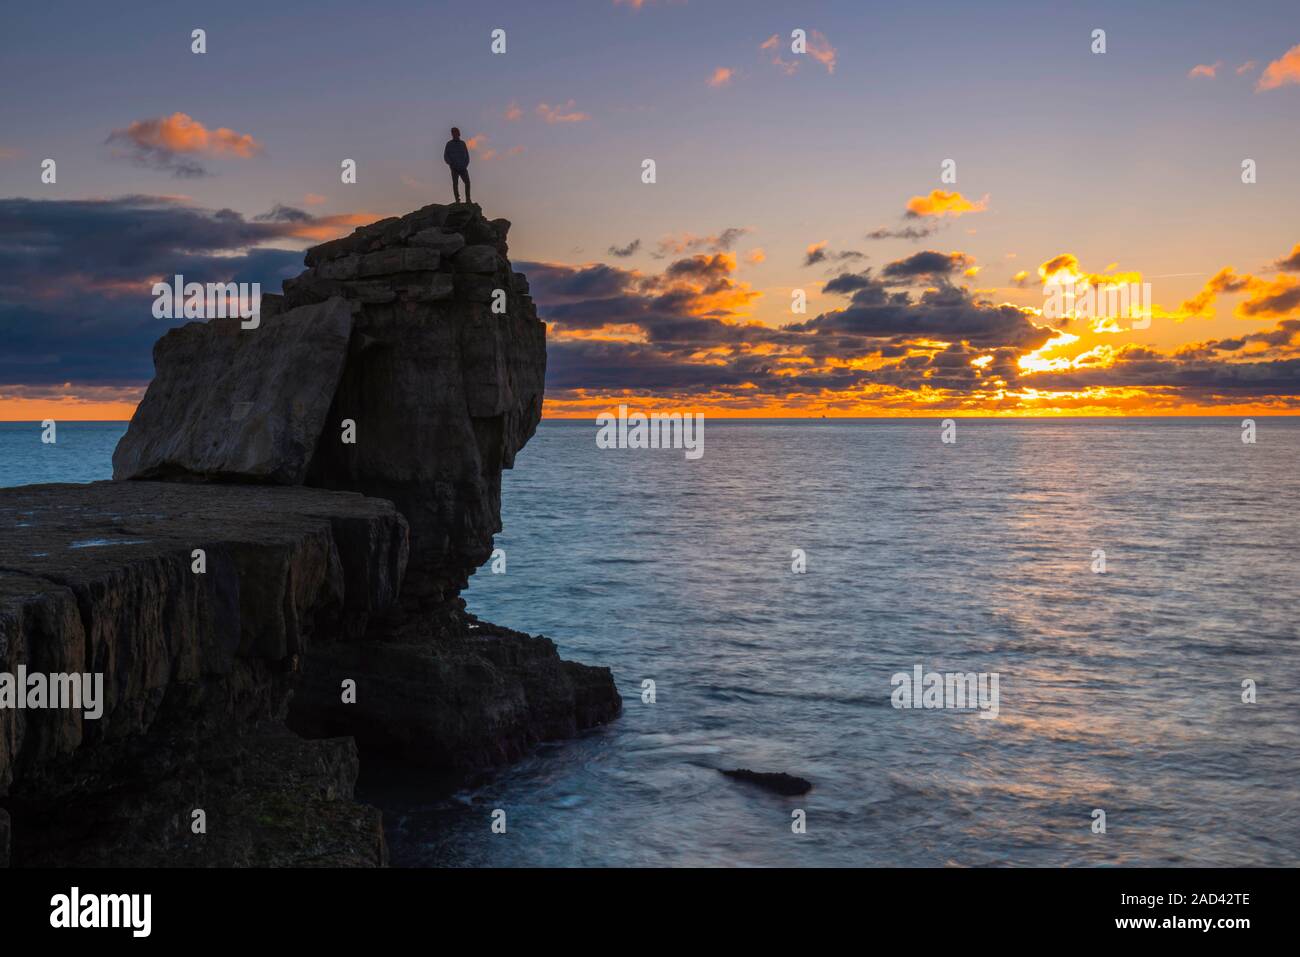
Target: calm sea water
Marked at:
1119, 691
80, 452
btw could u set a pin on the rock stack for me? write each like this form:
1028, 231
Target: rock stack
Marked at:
406, 364
413, 328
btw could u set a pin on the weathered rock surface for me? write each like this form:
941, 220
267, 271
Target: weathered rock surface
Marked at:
414, 328
100, 579
466, 701
444, 390
243, 404
269, 797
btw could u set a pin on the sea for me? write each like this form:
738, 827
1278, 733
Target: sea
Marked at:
1131, 583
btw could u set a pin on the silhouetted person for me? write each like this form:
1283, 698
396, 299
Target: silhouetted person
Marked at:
456, 155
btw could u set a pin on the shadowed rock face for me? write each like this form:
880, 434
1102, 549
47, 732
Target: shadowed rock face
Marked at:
467, 701
443, 390
392, 329
100, 579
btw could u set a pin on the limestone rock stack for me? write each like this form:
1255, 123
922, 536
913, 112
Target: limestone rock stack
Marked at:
406, 364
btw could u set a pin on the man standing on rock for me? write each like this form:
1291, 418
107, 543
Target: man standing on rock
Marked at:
456, 155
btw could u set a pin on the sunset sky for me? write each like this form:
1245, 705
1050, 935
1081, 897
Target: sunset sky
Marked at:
776, 171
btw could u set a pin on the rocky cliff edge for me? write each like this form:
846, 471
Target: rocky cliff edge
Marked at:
339, 468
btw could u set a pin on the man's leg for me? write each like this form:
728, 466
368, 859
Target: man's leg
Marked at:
455, 186
464, 174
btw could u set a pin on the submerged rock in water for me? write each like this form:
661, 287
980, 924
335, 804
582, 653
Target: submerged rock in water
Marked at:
777, 781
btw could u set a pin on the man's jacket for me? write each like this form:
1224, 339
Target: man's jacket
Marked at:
456, 154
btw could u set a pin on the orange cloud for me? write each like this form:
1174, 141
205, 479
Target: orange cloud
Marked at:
1265, 298
942, 203
513, 111
561, 113
721, 76
817, 47
328, 227
1246, 67
1283, 71
181, 133
314, 199
1225, 280
772, 45
1270, 298
1065, 270
175, 143
820, 49
705, 280
478, 145
1205, 69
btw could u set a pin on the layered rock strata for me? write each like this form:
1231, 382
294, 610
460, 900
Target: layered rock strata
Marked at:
196, 604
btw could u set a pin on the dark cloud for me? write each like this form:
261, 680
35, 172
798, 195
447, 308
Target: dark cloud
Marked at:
622, 252
729, 237
947, 313
818, 253
910, 341
912, 233
1290, 263
76, 275
1200, 380
760, 361
848, 283
714, 272
1286, 334
279, 214
595, 365
551, 282
155, 157
720, 243
927, 264
682, 307
1274, 300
